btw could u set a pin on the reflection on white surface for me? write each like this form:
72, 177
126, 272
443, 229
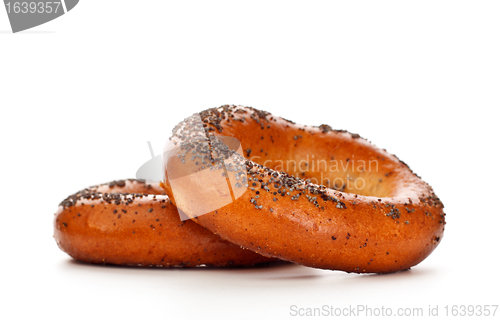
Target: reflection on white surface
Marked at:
241, 292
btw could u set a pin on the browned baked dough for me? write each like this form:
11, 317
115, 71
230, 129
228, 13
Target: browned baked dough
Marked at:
131, 223
391, 223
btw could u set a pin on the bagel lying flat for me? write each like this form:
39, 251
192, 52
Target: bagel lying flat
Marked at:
131, 223
365, 212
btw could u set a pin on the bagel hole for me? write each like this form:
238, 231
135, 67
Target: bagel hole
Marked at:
336, 160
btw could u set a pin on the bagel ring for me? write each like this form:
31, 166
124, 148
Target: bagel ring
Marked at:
287, 204
129, 222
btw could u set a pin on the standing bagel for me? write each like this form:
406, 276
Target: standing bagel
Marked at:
129, 222
315, 196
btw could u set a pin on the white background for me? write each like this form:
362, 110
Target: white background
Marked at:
80, 97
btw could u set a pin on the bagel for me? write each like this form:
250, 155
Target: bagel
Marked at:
284, 202
129, 222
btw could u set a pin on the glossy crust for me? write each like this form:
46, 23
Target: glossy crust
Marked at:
390, 222
131, 223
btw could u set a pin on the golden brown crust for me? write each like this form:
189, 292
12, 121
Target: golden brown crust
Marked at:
391, 222
131, 223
